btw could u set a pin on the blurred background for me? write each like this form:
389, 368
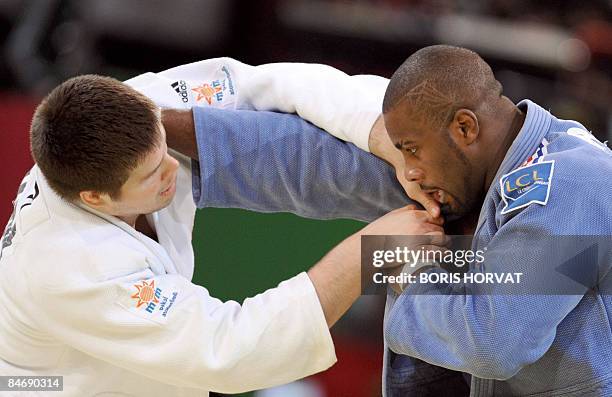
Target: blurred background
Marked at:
557, 53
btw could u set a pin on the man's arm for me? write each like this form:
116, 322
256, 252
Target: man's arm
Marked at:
342, 105
181, 136
272, 162
338, 276
184, 337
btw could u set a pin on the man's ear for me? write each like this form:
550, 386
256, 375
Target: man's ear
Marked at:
464, 127
93, 199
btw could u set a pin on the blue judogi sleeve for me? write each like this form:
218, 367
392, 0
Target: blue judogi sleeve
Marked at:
274, 162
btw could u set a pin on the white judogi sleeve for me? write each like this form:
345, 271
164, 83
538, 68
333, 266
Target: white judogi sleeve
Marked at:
168, 329
345, 106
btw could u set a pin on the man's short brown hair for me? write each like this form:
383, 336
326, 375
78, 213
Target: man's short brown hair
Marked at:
90, 132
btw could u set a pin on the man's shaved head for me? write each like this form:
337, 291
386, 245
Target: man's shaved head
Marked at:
438, 80
444, 111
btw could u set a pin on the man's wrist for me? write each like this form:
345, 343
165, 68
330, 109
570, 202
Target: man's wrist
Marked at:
375, 139
381, 146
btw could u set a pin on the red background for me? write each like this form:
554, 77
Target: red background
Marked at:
15, 116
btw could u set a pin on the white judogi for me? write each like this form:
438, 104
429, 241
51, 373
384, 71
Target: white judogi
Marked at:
85, 296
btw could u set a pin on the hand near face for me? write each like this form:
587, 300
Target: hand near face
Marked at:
427, 231
404, 221
381, 146
339, 275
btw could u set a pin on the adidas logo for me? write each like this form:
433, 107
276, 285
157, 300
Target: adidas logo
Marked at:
181, 89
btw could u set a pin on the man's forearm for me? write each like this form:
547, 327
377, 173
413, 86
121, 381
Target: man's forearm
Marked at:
337, 278
381, 146
180, 131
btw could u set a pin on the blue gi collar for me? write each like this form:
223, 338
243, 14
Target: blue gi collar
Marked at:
536, 126
534, 129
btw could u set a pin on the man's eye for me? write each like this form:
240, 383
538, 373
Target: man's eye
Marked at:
412, 150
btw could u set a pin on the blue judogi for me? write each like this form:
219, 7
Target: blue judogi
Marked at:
522, 344
533, 345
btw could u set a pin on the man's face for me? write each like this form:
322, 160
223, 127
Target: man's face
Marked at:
435, 161
151, 185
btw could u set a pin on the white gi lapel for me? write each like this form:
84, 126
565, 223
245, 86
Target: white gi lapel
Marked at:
158, 259
174, 224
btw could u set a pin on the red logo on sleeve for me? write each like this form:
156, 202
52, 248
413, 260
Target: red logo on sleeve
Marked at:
146, 293
209, 91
